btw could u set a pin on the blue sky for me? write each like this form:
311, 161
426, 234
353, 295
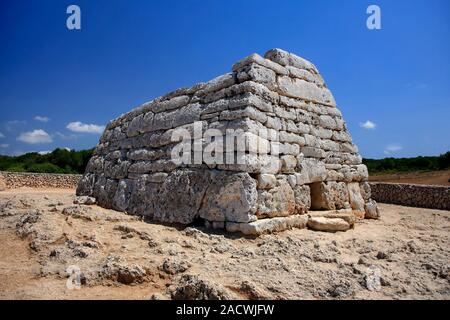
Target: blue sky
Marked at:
58, 87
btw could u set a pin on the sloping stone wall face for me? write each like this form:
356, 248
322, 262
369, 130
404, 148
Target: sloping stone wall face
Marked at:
305, 158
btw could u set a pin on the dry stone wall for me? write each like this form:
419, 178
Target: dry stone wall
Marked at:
413, 195
297, 153
13, 180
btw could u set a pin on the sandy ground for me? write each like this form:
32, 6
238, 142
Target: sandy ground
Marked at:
405, 255
440, 178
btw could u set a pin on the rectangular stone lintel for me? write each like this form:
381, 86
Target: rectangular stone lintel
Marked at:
268, 225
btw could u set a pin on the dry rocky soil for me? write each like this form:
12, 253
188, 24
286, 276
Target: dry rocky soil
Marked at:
404, 255
439, 178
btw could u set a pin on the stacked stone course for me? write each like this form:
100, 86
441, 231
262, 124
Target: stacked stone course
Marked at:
315, 167
412, 195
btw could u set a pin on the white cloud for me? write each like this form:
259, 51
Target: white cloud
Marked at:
43, 153
4, 145
11, 125
78, 126
2, 135
391, 148
65, 136
41, 118
35, 136
368, 125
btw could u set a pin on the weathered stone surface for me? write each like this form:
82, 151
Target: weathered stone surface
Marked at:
371, 210
268, 225
193, 287
180, 196
288, 163
276, 202
356, 200
328, 224
366, 192
258, 73
172, 159
339, 193
312, 171
84, 200
86, 185
302, 195
230, 197
344, 214
301, 89
266, 181
159, 177
123, 194
257, 59
285, 58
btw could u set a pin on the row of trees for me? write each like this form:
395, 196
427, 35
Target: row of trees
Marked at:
58, 161
392, 165
65, 161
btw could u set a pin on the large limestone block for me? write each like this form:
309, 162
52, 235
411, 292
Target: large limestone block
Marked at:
312, 170
186, 115
174, 103
230, 197
123, 193
302, 195
252, 163
328, 224
143, 194
256, 58
263, 226
104, 191
181, 196
276, 202
288, 163
344, 214
173, 198
356, 200
366, 192
305, 75
135, 126
266, 181
95, 164
258, 73
146, 154
339, 193
371, 209
299, 88
86, 185
217, 84
285, 58
360, 173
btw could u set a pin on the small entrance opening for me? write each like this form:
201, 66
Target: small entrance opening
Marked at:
317, 196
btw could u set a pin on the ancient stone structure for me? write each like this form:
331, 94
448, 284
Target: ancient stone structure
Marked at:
292, 153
